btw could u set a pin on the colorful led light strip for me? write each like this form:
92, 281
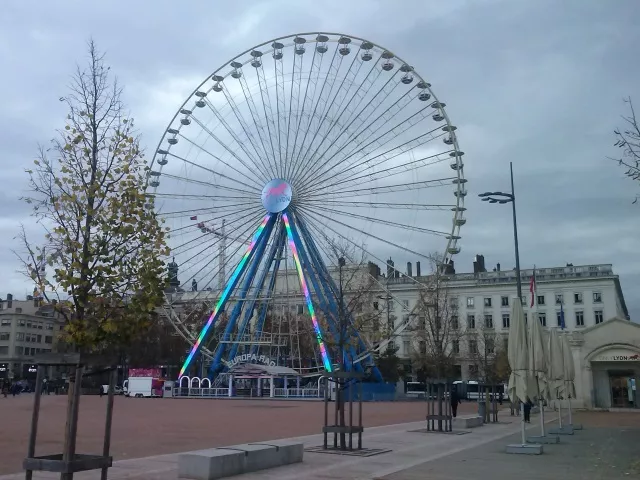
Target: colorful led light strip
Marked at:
225, 294
307, 296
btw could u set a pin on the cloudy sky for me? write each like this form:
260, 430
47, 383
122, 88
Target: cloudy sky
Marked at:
539, 83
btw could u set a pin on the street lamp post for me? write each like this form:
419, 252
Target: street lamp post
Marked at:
501, 197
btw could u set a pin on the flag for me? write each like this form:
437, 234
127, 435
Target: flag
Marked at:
562, 326
532, 288
195, 217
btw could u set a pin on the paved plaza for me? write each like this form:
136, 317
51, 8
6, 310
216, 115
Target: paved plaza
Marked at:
606, 449
155, 426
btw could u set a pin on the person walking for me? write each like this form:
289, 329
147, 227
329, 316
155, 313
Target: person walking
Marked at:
455, 401
527, 411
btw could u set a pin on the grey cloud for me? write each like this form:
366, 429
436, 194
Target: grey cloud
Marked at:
526, 81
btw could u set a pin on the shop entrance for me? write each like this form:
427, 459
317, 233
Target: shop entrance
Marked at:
622, 389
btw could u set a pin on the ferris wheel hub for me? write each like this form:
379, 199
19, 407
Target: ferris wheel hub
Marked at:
276, 195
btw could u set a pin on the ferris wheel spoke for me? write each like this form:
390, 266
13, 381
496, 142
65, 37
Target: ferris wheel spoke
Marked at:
229, 259
370, 177
198, 211
359, 95
390, 205
382, 189
319, 216
257, 123
294, 102
238, 223
388, 223
255, 160
209, 184
359, 152
371, 163
214, 172
219, 217
261, 153
248, 172
190, 196
325, 91
356, 121
269, 120
323, 126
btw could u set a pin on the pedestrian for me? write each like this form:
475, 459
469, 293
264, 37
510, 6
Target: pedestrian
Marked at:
500, 397
101, 390
5, 388
527, 411
455, 401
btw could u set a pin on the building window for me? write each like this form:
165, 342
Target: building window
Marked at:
19, 336
405, 319
406, 347
559, 299
49, 325
487, 301
48, 339
4, 350
454, 322
39, 338
375, 305
559, 318
471, 321
39, 324
21, 322
577, 298
4, 335
422, 320
470, 302
488, 321
504, 301
579, 319
5, 321
524, 300
473, 370
597, 297
473, 346
540, 299
505, 320
300, 309
455, 345
405, 303
490, 346
599, 316
542, 317
18, 350
453, 301
423, 347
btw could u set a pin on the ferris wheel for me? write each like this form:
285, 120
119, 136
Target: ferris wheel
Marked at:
287, 147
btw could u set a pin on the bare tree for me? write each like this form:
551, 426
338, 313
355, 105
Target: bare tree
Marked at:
628, 139
437, 331
484, 346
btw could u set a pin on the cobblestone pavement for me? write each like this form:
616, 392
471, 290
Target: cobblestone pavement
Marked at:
144, 427
608, 448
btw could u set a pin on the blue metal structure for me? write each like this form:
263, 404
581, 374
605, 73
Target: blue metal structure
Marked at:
264, 259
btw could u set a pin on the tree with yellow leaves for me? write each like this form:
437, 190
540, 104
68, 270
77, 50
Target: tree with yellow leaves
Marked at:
103, 239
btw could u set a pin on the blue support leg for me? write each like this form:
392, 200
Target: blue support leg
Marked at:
260, 247
250, 305
224, 297
318, 258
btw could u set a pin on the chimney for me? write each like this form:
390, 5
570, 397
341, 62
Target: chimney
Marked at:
498, 267
9, 300
390, 273
478, 264
409, 272
417, 269
450, 268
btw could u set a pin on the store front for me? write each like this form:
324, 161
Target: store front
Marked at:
607, 358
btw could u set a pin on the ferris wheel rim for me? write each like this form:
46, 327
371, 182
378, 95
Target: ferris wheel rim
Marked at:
335, 37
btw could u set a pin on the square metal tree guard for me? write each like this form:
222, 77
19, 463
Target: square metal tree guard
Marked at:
68, 462
342, 380
438, 393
